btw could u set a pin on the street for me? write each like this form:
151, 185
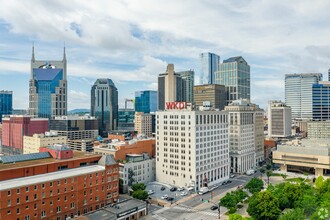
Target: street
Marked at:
198, 207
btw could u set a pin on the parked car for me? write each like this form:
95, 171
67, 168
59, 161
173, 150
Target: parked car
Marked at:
164, 196
229, 181
203, 190
184, 194
180, 189
162, 188
151, 192
240, 187
169, 198
214, 207
250, 172
173, 189
232, 175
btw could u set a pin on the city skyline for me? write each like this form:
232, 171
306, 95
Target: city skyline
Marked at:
134, 43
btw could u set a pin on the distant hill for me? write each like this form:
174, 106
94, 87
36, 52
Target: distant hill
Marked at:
78, 110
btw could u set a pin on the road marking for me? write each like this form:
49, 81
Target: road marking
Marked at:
189, 209
158, 217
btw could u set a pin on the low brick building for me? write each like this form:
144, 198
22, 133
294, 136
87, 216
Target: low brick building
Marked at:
50, 188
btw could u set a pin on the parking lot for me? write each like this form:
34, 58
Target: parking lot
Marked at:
158, 193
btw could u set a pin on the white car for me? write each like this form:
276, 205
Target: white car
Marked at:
180, 189
184, 194
150, 192
164, 196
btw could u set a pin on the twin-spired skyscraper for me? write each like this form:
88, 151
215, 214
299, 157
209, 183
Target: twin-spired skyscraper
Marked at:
48, 88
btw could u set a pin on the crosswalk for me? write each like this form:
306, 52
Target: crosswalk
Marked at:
189, 209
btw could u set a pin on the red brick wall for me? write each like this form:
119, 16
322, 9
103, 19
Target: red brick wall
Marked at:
77, 190
63, 154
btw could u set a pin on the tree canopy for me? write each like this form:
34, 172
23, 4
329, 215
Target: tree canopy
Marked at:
254, 185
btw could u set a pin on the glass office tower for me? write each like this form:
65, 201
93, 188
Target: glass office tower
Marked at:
298, 93
321, 101
188, 81
104, 105
6, 103
234, 74
48, 88
209, 64
146, 101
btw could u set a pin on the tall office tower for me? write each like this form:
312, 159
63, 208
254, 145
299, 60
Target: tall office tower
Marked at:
234, 73
169, 87
321, 100
48, 88
187, 85
298, 93
215, 94
209, 63
15, 127
146, 101
104, 105
192, 148
329, 75
279, 119
6, 103
245, 137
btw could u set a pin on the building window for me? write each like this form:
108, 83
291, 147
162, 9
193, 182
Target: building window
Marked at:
27, 217
51, 184
35, 187
35, 196
43, 214
27, 189
17, 191
72, 205
17, 211
8, 212
8, 202
27, 198
58, 209
43, 185
9, 193
17, 200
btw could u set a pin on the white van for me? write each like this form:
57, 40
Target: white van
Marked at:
249, 172
203, 190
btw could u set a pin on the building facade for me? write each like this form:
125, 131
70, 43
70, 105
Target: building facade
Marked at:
188, 81
126, 119
6, 103
119, 149
298, 93
169, 87
81, 131
321, 100
143, 124
305, 156
146, 101
209, 64
216, 94
48, 88
192, 147
318, 129
86, 183
32, 144
15, 127
234, 74
137, 168
279, 119
245, 135
104, 105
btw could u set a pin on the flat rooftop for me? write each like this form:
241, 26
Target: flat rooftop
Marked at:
36, 179
318, 147
76, 155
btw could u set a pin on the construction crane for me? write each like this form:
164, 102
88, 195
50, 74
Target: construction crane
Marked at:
128, 100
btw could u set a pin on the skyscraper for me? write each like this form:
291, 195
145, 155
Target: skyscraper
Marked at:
213, 93
48, 88
6, 103
169, 87
234, 73
104, 105
298, 93
146, 101
321, 100
209, 63
187, 85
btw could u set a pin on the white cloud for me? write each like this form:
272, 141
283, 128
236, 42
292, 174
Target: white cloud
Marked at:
78, 99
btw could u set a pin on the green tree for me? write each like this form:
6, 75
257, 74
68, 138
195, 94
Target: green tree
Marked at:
268, 166
308, 204
264, 205
138, 186
240, 195
325, 186
140, 194
254, 185
293, 214
319, 182
229, 201
236, 217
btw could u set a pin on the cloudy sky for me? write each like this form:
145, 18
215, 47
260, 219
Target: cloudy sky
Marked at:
131, 42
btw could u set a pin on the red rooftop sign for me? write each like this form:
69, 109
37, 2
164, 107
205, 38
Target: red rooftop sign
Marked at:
177, 105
